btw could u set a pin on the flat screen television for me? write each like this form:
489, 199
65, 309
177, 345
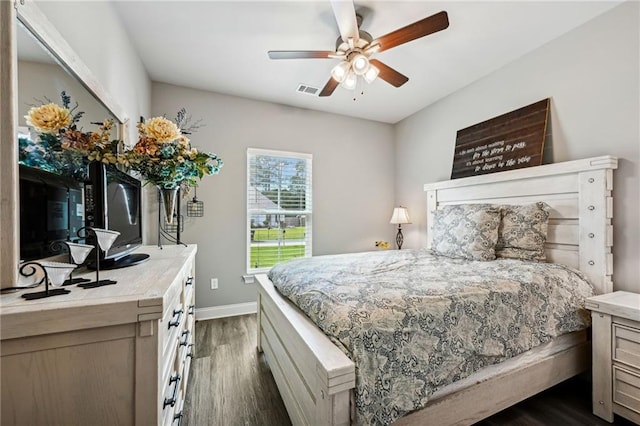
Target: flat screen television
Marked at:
50, 210
113, 200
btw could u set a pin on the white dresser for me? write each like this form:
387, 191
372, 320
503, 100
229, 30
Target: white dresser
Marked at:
616, 354
113, 355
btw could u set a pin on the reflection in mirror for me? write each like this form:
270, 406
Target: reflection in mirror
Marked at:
27, 12
42, 80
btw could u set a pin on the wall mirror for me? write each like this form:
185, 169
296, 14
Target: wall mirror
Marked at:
42, 79
42, 66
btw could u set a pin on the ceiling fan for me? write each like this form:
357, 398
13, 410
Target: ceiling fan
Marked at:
355, 48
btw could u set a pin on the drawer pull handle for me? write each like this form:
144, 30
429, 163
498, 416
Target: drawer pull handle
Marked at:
189, 281
178, 417
190, 354
174, 394
191, 310
177, 316
186, 338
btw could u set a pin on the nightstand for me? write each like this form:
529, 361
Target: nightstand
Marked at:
616, 355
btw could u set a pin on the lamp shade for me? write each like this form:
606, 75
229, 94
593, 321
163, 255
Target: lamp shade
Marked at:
371, 74
340, 71
350, 81
400, 215
360, 64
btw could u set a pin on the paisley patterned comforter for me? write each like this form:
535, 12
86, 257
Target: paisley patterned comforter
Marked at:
413, 322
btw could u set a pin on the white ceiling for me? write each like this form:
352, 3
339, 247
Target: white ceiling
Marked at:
221, 46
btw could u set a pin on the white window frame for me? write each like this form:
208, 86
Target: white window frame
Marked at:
308, 212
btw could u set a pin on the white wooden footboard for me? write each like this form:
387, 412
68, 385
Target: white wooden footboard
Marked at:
314, 377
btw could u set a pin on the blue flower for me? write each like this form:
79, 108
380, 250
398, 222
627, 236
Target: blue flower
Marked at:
167, 150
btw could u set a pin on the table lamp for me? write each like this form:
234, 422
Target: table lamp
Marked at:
400, 215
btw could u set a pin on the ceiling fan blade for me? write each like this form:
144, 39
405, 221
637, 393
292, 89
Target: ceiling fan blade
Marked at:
345, 13
300, 54
388, 74
426, 26
328, 88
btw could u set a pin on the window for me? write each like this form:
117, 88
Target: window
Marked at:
278, 207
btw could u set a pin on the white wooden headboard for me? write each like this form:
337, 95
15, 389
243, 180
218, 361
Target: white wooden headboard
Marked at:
579, 193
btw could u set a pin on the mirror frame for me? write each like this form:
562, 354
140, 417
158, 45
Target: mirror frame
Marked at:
35, 21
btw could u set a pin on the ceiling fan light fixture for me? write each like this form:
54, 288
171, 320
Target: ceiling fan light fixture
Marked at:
340, 71
371, 74
350, 81
360, 64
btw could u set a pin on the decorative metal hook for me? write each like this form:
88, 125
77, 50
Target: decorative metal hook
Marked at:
32, 270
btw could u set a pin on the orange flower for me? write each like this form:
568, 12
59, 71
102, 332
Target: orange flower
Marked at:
146, 146
74, 139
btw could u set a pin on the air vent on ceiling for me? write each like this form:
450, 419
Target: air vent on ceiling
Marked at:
307, 90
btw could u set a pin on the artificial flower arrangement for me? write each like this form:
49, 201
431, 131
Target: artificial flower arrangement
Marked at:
163, 154
61, 147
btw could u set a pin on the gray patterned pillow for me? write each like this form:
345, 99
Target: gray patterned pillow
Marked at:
468, 231
523, 232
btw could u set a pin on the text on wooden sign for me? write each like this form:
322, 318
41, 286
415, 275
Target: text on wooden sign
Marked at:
510, 141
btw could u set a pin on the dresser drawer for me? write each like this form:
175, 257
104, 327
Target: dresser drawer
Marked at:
626, 389
626, 345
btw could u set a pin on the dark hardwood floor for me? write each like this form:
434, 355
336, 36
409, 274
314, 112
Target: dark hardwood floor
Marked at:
230, 384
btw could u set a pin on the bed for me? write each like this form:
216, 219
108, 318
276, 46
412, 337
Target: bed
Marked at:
316, 379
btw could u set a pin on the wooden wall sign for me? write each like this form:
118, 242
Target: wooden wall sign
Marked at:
510, 141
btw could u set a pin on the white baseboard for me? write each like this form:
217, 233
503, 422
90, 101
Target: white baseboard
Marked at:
226, 311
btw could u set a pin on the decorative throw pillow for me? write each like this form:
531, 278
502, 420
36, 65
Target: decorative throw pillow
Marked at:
523, 232
468, 231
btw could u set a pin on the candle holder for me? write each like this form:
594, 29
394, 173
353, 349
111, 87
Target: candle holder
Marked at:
55, 273
78, 253
103, 238
195, 207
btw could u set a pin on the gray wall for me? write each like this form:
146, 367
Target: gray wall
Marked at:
39, 81
353, 172
592, 76
94, 31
